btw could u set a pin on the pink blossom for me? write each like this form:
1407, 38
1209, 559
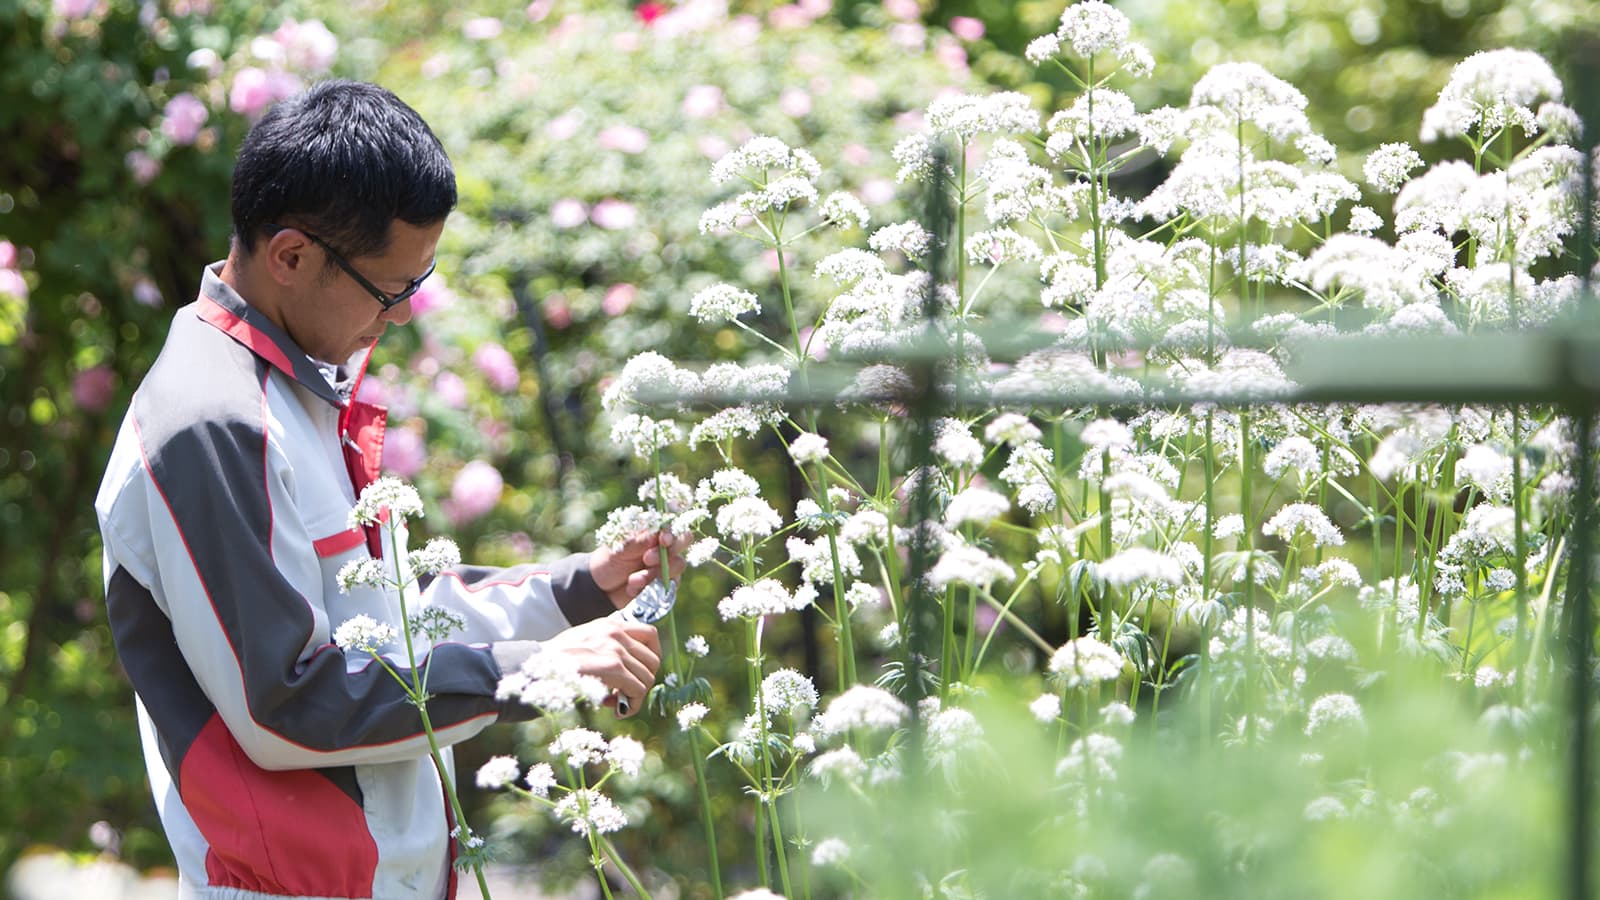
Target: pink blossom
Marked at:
449, 388
816, 9
568, 213
374, 391
183, 118
711, 146
905, 10
795, 103
702, 101
93, 388
785, 18
625, 41
614, 215
952, 54
433, 295
145, 293
909, 35
256, 89
8, 255
497, 365
618, 298
403, 452
482, 28
855, 154
142, 165
769, 258
475, 491
435, 66
623, 139
308, 47
539, 9
863, 88
74, 9
563, 127
557, 312
966, 28
12, 285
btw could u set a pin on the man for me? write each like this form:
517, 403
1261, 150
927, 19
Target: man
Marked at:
282, 766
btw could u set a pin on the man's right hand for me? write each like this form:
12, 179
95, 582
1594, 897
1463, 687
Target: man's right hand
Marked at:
623, 655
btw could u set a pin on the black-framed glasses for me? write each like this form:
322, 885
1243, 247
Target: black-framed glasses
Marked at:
387, 301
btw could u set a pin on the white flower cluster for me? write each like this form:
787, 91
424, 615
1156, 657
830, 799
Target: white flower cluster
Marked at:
389, 497
1088, 28
367, 572
364, 633
435, 556
860, 708
781, 176
1084, 661
766, 597
652, 375
722, 303
1490, 91
550, 682
588, 810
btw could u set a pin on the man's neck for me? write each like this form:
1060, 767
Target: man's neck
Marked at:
245, 280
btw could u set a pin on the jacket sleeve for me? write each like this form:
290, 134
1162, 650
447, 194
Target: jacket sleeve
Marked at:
236, 571
528, 602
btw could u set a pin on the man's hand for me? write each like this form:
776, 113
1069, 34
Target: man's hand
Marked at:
623, 655
622, 573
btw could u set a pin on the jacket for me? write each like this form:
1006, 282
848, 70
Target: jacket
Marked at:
281, 765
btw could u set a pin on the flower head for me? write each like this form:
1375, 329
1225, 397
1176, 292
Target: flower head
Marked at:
435, 556
386, 495
364, 633
498, 772
588, 811
1085, 661
722, 303
362, 573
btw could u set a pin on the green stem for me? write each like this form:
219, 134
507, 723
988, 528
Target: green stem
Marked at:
705, 812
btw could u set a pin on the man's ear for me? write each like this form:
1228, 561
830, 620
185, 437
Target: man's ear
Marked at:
287, 257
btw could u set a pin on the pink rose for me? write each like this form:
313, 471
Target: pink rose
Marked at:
905, 10
183, 118
74, 9
562, 127
624, 139
795, 103
475, 491
92, 388
614, 215
432, 295
557, 312
143, 166
145, 293
711, 146
12, 284
403, 452
702, 101
497, 365
254, 90
568, 213
308, 47
451, 389
8, 255
482, 28
966, 28
618, 298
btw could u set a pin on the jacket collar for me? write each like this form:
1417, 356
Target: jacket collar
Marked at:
221, 306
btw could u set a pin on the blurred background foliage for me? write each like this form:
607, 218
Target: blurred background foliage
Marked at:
583, 132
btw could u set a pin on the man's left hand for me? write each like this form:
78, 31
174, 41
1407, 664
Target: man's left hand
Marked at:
624, 571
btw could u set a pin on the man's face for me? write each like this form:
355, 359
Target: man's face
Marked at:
333, 317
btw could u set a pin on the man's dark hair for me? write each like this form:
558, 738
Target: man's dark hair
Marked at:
342, 160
